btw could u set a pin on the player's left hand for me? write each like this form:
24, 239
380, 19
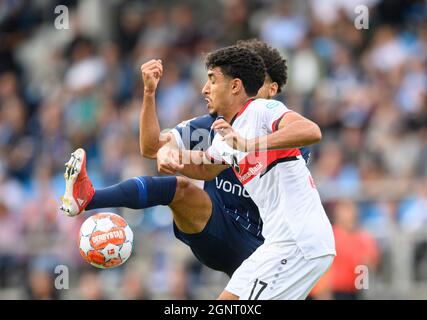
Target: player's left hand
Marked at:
230, 136
168, 160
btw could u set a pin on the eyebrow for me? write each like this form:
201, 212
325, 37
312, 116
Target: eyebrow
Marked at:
214, 73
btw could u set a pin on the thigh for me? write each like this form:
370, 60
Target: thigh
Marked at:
191, 207
223, 244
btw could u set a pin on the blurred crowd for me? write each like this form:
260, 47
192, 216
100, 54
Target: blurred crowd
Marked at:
81, 87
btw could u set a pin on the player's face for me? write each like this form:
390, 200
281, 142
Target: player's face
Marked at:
217, 91
268, 90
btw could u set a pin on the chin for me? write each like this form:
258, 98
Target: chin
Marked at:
213, 113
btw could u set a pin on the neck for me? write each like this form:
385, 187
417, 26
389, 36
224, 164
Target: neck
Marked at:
235, 108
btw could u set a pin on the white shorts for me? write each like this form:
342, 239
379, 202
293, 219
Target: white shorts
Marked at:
277, 273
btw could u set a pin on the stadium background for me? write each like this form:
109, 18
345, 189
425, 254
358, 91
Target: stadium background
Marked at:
62, 89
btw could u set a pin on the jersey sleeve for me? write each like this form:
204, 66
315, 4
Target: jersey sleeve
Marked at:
194, 134
177, 134
272, 112
219, 152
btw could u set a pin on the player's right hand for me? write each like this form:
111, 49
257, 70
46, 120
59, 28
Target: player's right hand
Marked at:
151, 72
168, 161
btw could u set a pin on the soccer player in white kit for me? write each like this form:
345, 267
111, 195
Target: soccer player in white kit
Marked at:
260, 139
299, 244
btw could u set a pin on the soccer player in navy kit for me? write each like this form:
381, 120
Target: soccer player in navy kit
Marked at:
221, 225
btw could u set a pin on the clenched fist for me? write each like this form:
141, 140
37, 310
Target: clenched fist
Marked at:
151, 72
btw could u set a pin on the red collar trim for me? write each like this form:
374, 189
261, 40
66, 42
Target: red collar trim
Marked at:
238, 114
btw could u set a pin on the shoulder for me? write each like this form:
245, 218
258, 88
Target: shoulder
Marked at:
204, 122
267, 104
267, 107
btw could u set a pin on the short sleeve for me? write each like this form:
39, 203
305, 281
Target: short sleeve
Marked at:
273, 111
194, 134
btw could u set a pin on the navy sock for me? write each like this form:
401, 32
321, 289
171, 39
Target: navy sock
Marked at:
135, 193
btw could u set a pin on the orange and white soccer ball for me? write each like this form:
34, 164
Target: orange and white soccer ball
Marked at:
105, 240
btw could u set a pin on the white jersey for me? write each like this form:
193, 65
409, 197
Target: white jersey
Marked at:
279, 182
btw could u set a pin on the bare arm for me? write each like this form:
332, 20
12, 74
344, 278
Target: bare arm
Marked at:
293, 131
149, 128
198, 166
193, 164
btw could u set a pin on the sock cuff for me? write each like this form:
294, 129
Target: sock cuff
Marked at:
142, 188
155, 191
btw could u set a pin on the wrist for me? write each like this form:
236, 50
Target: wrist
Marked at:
149, 92
251, 145
257, 144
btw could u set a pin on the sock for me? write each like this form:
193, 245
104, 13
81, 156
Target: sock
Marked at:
135, 193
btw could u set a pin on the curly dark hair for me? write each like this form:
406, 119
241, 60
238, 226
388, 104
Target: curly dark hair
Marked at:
241, 63
273, 60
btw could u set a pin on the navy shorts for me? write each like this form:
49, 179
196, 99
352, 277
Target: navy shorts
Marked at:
223, 244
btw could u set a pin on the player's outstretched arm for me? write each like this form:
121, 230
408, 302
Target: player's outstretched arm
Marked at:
192, 164
291, 131
149, 128
198, 166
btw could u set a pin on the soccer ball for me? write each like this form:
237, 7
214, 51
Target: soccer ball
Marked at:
105, 240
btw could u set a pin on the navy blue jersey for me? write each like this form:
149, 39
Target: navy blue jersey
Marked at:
226, 190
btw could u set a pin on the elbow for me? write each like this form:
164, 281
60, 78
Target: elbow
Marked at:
148, 153
149, 156
317, 134
314, 135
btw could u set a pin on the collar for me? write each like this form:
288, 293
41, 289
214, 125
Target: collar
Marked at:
241, 110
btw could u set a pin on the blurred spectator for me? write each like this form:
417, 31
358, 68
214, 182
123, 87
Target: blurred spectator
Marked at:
414, 212
179, 284
355, 247
41, 287
235, 23
90, 285
283, 28
11, 261
133, 285
40, 282
176, 97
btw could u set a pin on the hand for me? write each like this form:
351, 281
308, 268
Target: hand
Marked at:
231, 137
168, 160
151, 72
164, 138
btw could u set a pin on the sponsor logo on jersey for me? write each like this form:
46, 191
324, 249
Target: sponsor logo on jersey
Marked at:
233, 188
272, 104
252, 171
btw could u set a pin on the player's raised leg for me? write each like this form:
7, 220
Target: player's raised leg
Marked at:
78, 187
190, 205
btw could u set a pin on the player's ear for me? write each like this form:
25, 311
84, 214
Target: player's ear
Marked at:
273, 89
236, 86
